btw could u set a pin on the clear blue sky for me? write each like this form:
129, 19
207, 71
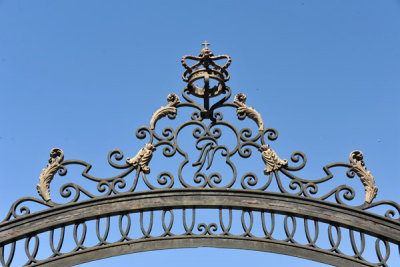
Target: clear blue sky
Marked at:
83, 75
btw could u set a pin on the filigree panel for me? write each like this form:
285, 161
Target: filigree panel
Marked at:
208, 144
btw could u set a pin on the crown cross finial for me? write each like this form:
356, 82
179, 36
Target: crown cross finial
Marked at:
205, 44
207, 69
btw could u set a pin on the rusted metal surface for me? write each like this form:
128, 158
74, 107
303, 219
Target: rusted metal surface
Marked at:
215, 234
201, 198
246, 199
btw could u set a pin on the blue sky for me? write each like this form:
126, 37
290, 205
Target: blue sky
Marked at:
83, 75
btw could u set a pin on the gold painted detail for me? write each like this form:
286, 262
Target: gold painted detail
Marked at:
243, 109
142, 158
271, 159
170, 109
206, 68
47, 175
356, 159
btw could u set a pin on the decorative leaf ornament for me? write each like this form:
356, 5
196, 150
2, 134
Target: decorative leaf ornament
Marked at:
47, 175
356, 159
243, 110
142, 158
271, 159
170, 109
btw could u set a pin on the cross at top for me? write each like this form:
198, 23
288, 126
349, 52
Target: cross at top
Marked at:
205, 44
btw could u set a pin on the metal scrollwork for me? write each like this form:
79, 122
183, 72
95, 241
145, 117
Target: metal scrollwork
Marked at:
209, 174
356, 159
200, 171
43, 188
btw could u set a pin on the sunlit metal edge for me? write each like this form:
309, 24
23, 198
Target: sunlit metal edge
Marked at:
67, 214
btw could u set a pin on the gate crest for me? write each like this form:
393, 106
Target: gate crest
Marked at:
120, 196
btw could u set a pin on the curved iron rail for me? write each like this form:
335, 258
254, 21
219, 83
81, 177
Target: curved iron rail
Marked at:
259, 207
200, 185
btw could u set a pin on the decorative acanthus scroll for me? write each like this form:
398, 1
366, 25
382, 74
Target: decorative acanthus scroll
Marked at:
271, 159
43, 188
356, 159
244, 110
169, 109
142, 158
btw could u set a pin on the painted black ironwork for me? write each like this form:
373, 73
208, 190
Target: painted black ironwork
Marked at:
299, 199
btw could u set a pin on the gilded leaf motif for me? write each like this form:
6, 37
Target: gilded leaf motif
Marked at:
142, 158
169, 109
271, 159
244, 110
356, 159
47, 175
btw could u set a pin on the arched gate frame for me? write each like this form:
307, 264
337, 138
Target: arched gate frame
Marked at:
120, 204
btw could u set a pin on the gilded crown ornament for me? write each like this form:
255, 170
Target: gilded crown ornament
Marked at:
206, 68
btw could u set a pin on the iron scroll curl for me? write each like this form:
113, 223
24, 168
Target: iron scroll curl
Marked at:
208, 146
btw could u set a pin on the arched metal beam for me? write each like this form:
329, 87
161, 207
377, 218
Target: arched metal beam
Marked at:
323, 211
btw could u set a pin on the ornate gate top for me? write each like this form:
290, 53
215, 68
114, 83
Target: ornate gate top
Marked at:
197, 173
207, 143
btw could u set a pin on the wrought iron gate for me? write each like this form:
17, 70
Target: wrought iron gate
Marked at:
144, 212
